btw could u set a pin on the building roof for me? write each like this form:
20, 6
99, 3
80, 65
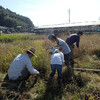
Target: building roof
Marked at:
87, 23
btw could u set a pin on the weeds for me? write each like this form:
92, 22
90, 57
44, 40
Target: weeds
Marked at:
84, 86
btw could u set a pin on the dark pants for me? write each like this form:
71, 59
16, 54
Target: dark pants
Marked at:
67, 59
14, 84
55, 67
69, 67
72, 55
25, 75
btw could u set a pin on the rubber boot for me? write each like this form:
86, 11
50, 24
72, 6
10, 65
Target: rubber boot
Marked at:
60, 81
70, 74
49, 81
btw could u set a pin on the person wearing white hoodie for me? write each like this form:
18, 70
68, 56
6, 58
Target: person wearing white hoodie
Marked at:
57, 60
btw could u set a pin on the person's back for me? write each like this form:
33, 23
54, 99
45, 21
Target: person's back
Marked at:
72, 39
62, 44
18, 65
57, 58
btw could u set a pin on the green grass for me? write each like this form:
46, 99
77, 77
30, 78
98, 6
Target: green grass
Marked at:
12, 38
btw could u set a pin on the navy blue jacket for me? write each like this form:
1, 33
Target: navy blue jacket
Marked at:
72, 39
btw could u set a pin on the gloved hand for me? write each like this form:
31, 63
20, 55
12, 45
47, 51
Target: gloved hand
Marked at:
36, 72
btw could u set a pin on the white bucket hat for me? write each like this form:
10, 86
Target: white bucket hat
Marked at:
54, 50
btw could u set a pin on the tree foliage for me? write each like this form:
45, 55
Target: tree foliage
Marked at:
11, 19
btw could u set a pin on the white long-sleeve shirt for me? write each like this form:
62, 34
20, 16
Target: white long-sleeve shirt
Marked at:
57, 58
17, 66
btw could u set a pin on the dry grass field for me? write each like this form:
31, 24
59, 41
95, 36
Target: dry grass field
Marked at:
85, 86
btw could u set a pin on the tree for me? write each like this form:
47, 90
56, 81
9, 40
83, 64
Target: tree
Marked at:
11, 19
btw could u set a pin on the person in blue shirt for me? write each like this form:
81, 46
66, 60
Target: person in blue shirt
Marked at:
73, 38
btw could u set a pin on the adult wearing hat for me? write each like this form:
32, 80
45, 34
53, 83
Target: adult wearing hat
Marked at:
21, 67
73, 38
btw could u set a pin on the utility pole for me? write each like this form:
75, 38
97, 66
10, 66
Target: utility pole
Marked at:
69, 14
99, 18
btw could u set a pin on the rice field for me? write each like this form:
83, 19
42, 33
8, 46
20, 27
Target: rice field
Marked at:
85, 86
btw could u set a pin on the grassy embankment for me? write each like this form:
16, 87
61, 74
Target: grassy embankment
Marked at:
85, 85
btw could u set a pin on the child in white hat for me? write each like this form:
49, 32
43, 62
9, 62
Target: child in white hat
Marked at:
57, 60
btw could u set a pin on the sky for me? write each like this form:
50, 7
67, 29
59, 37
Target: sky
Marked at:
48, 12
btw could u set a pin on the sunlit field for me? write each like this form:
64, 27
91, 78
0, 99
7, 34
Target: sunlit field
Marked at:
85, 86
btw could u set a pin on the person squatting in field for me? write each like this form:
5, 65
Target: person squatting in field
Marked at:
57, 60
70, 41
21, 67
64, 48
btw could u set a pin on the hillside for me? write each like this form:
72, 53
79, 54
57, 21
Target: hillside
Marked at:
11, 19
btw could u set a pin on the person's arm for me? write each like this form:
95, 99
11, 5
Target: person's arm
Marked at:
31, 68
77, 43
62, 58
60, 46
